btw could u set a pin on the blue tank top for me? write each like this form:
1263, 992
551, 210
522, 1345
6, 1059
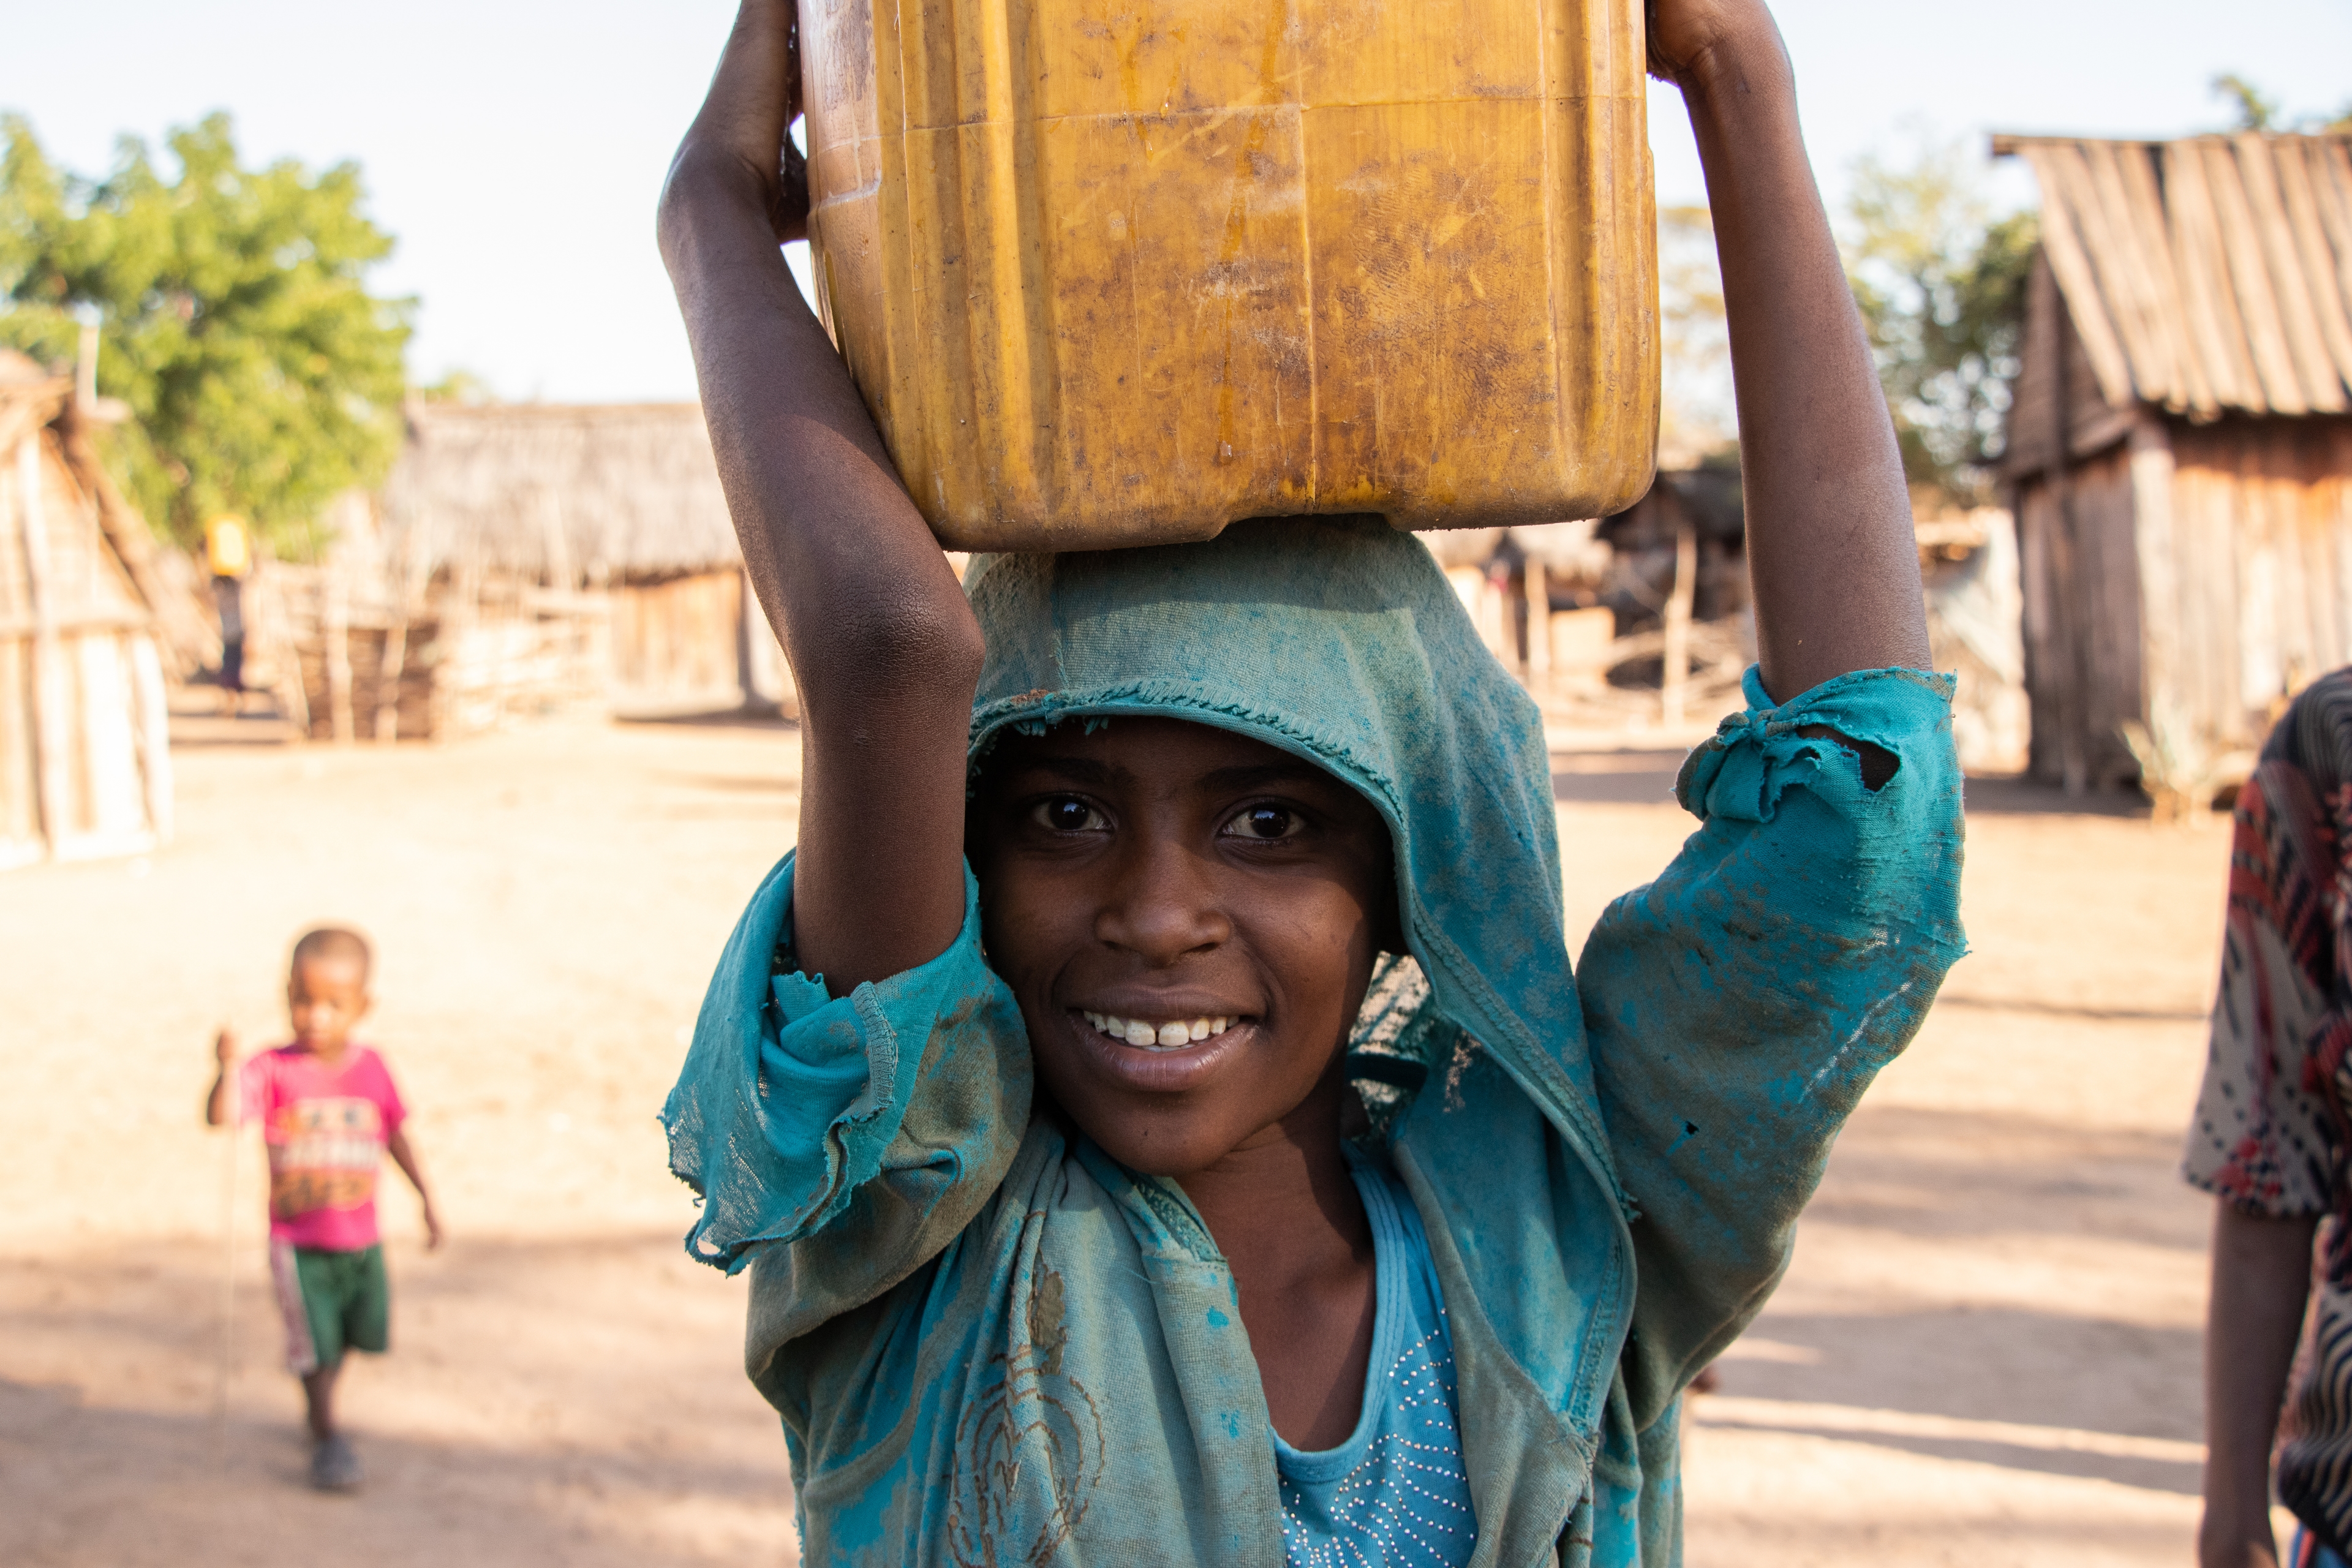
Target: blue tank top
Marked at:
1394, 1494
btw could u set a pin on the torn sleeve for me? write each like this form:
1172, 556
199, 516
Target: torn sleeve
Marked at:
879, 1121
1738, 1006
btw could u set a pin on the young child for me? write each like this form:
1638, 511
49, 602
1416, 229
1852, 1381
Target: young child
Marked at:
329, 1114
1153, 1100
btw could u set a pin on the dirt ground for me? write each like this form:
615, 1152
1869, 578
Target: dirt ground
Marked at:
1986, 1352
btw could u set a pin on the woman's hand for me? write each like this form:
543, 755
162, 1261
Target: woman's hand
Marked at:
1688, 36
224, 1054
741, 135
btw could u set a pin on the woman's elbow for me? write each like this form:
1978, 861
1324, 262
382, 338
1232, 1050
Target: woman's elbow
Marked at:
893, 653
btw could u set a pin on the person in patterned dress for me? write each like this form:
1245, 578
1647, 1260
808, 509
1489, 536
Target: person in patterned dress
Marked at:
2268, 1141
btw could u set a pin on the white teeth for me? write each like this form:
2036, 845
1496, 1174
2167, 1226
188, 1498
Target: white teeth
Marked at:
1144, 1034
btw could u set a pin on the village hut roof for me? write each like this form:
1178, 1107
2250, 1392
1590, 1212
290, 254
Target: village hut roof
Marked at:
32, 399
2205, 275
614, 492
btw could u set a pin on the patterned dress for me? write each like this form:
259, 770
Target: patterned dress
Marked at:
2270, 1134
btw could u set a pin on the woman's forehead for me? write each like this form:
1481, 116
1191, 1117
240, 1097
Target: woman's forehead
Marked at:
1148, 739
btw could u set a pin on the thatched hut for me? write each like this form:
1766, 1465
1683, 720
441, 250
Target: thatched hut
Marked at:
84, 757
523, 557
618, 501
2180, 449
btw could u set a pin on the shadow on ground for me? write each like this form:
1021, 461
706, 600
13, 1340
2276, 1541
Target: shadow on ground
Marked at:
559, 1403
2026, 1196
2007, 1349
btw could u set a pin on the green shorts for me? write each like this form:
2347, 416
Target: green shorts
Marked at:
331, 1301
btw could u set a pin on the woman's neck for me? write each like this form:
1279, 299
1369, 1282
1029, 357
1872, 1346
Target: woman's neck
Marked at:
1284, 1210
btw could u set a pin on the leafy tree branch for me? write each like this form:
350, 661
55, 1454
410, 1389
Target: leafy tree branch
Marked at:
1941, 283
262, 376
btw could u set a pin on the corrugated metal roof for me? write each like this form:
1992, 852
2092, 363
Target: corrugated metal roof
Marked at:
2205, 275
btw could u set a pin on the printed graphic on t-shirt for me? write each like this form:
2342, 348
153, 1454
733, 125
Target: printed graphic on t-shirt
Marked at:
323, 1155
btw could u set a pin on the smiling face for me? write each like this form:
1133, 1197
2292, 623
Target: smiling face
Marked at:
1189, 919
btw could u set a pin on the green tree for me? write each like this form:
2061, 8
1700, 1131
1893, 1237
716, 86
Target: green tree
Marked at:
2257, 110
1941, 283
262, 377
459, 386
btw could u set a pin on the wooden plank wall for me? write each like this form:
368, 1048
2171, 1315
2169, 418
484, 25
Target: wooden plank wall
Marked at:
492, 668
21, 839
387, 675
2206, 577
85, 760
676, 644
2092, 423
2262, 550
2080, 567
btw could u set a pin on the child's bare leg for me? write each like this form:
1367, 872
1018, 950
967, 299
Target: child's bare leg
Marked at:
318, 1395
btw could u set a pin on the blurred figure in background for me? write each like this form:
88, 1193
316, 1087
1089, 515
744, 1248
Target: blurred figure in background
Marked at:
2269, 1141
228, 550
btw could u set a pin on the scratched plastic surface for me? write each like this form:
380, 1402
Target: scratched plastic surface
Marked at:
1116, 272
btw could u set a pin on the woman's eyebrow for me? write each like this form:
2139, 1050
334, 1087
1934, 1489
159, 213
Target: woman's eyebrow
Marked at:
1259, 775
1074, 770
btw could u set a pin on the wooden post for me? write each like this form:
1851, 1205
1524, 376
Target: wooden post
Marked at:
1539, 623
155, 732
747, 627
1674, 677
52, 732
1494, 619
2162, 685
336, 633
387, 681
2073, 638
268, 623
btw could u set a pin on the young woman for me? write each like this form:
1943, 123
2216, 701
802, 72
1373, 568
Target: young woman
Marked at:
1153, 1100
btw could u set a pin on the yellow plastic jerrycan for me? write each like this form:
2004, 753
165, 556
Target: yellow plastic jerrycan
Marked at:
1113, 272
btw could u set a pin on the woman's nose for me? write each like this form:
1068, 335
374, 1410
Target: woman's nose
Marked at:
1163, 905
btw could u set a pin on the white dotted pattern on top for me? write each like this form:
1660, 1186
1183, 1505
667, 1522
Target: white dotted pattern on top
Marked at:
1403, 1499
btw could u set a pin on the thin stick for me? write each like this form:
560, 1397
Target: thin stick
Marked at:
222, 1366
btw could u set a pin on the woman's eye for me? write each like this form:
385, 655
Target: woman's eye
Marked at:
1263, 822
1068, 815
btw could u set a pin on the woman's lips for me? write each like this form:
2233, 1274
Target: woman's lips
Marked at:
1157, 1068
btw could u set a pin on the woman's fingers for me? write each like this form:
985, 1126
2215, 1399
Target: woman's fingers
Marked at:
788, 211
1680, 32
756, 90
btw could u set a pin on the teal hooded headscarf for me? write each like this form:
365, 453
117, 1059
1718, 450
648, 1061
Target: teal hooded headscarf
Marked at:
1609, 1178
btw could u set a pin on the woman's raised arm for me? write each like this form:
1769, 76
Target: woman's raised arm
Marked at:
1830, 543
882, 641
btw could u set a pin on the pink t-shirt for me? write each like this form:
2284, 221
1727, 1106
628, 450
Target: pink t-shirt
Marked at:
325, 1132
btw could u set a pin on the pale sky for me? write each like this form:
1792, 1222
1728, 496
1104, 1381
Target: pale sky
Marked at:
515, 150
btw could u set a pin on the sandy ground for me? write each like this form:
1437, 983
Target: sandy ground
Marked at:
1986, 1352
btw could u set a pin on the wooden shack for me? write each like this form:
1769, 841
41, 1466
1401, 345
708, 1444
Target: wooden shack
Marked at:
2180, 449
599, 528
85, 758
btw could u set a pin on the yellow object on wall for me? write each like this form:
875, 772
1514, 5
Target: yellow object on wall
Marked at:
228, 550
1118, 272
